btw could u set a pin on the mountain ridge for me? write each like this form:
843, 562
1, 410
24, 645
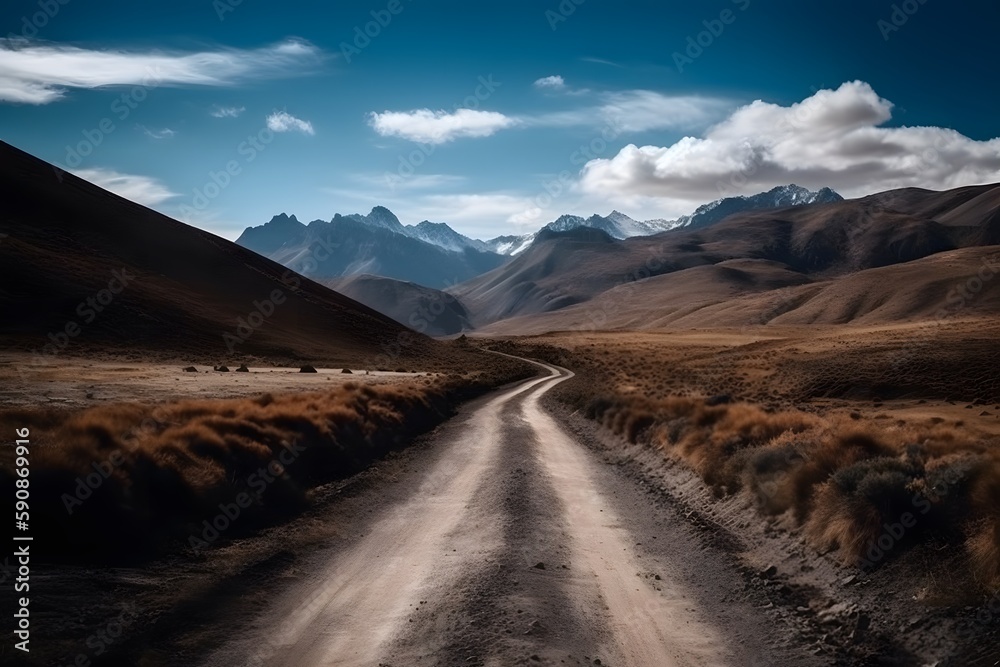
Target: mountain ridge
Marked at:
822, 244
267, 239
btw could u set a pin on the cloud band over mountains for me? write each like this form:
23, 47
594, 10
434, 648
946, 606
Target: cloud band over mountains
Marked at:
625, 111
832, 138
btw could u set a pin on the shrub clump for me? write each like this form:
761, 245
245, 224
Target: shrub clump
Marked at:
867, 491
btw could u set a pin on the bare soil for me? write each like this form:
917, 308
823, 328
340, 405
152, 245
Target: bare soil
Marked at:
497, 540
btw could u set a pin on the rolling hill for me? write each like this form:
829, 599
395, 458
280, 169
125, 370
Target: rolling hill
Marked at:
83, 270
662, 280
754, 293
423, 309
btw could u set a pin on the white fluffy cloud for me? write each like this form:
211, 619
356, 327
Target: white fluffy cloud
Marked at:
555, 82
140, 189
438, 127
831, 139
282, 121
33, 73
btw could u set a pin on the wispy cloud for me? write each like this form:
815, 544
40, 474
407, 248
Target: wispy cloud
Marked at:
638, 111
600, 61
35, 73
282, 121
479, 214
227, 112
554, 82
626, 111
143, 190
165, 133
832, 138
412, 182
477, 206
438, 127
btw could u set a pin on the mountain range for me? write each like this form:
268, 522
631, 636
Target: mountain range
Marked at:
617, 225
434, 255
896, 256
376, 244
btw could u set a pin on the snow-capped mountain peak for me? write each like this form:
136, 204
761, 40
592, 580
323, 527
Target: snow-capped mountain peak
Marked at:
778, 197
440, 234
616, 224
620, 218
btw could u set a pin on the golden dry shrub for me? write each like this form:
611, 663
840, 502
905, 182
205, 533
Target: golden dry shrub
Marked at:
984, 530
126, 480
860, 503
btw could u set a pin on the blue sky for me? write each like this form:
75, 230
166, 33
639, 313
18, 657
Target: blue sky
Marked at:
496, 117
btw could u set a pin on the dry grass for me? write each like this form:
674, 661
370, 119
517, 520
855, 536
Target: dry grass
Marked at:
843, 481
759, 419
155, 472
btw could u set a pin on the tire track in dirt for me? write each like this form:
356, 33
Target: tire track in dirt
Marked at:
347, 613
509, 610
504, 552
651, 620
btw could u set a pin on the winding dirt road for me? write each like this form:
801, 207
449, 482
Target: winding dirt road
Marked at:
514, 545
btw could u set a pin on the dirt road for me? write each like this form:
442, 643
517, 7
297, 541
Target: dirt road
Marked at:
513, 545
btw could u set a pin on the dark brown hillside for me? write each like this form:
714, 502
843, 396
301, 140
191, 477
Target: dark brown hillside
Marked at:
819, 243
186, 288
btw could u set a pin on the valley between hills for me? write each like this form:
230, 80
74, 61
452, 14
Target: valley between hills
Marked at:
767, 433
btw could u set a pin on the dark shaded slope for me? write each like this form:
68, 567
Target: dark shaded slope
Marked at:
425, 310
186, 289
